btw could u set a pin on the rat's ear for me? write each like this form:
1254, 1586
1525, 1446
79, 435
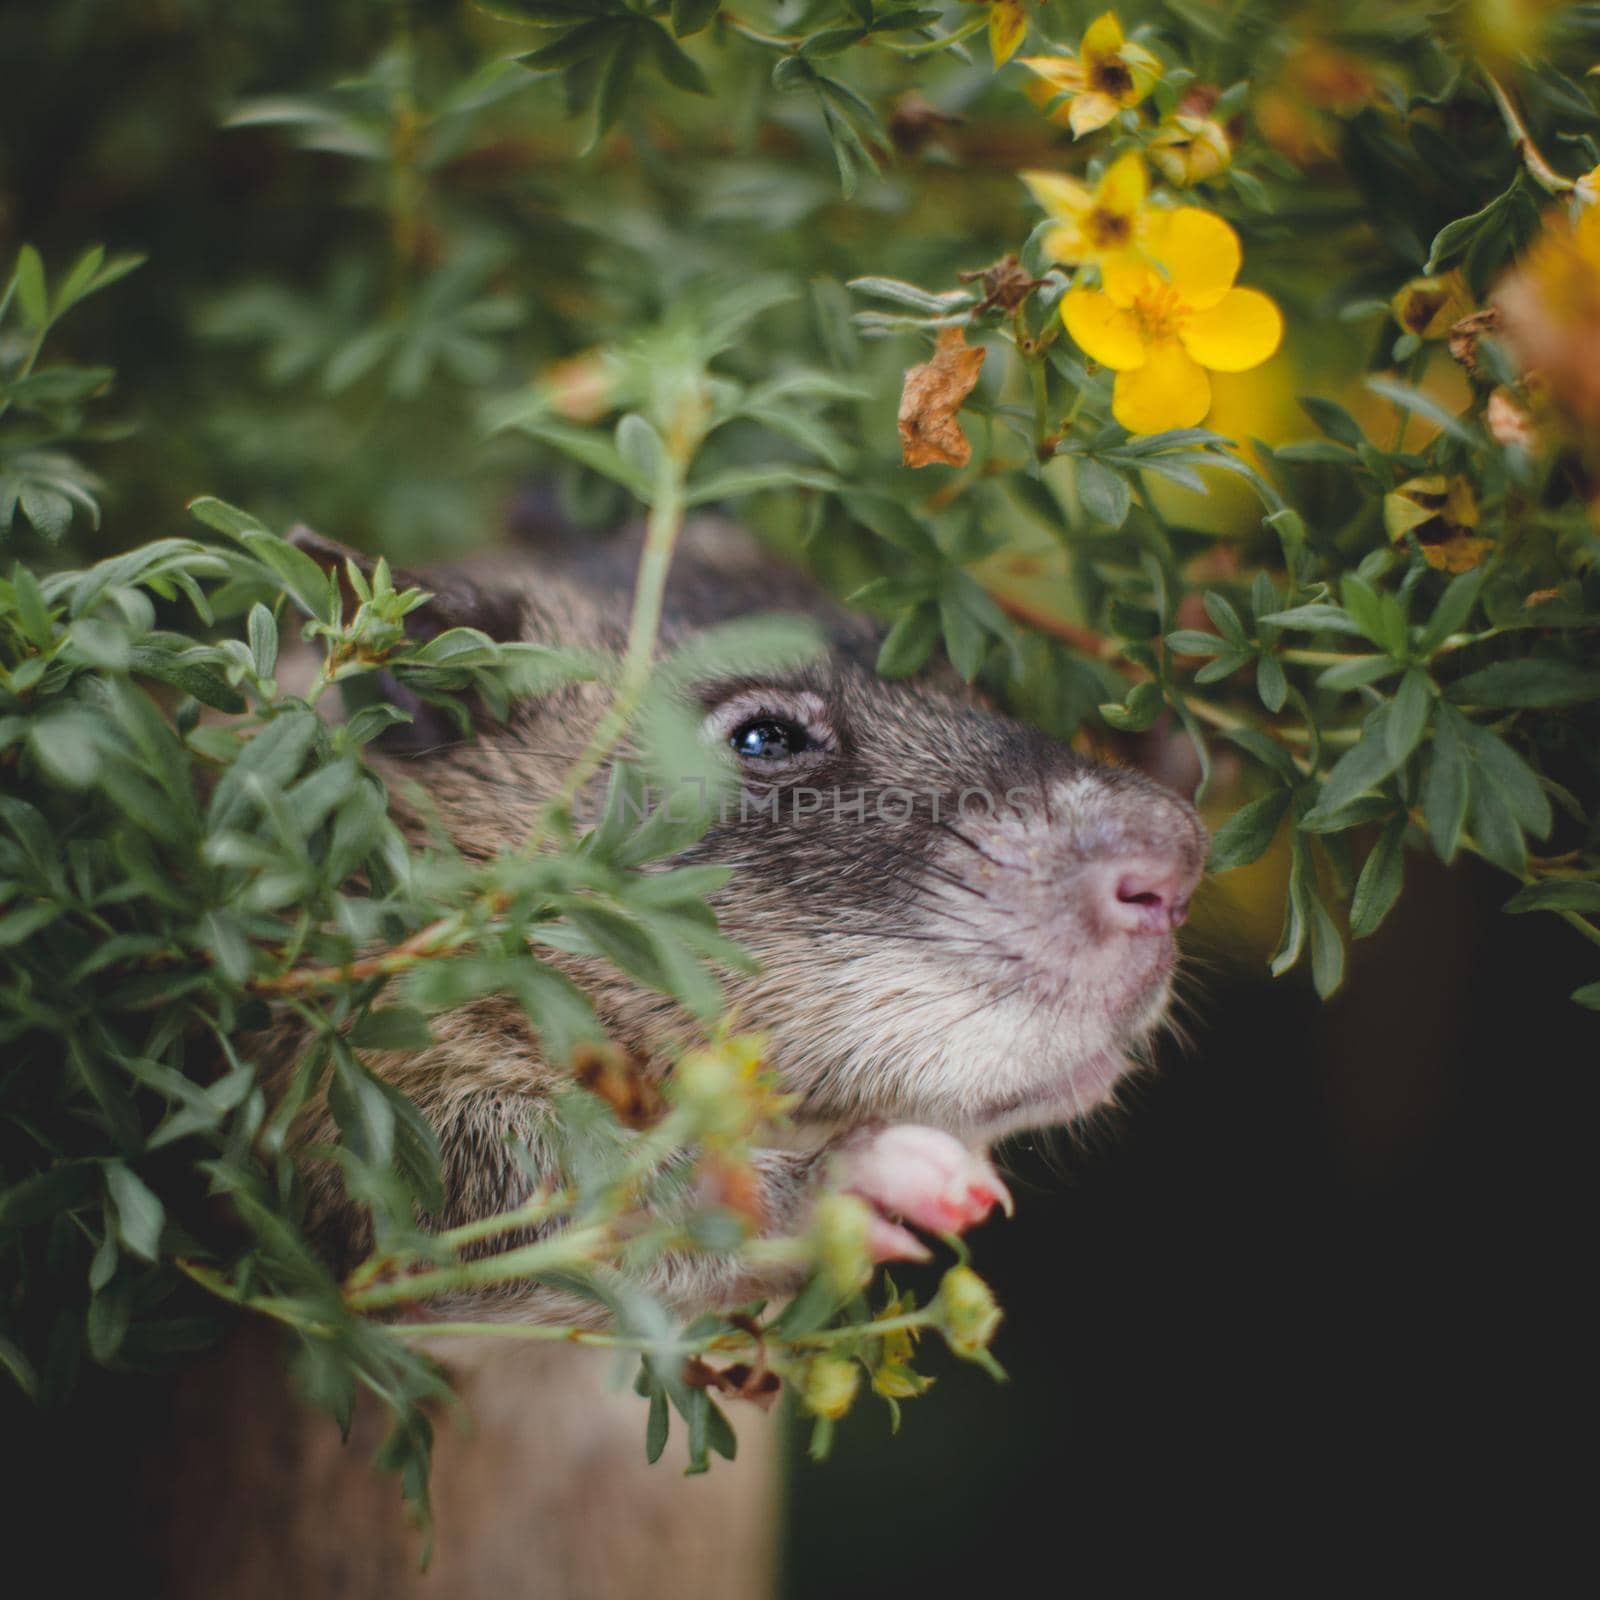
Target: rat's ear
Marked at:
453, 602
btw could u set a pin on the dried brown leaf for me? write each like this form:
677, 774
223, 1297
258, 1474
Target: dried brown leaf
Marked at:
929, 432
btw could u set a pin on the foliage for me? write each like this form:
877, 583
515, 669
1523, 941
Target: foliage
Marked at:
669, 256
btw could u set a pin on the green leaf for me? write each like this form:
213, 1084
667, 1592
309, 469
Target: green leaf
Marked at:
140, 1215
1333, 420
1454, 607
1362, 767
1408, 716
1271, 683
657, 1425
1445, 790
1534, 683
1379, 885
1499, 767
1425, 406
1191, 642
1143, 705
1245, 836
965, 640
392, 1028
1588, 995
1558, 894
1327, 948
909, 642
1454, 238
66, 745
909, 294
690, 16
32, 299
263, 632
1315, 619
1293, 938
1104, 494
1222, 613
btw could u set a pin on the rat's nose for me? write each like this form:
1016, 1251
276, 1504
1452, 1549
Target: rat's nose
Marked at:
1141, 895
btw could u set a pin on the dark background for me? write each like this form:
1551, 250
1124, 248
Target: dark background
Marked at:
1313, 1308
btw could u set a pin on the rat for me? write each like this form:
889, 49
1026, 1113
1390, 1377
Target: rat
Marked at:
964, 931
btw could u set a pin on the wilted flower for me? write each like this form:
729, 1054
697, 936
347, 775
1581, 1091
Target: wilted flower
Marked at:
1316, 79
828, 1386
1095, 225
968, 1314
894, 1377
1007, 26
580, 388
1109, 74
1188, 149
729, 1088
1550, 315
1442, 513
1159, 333
1431, 307
1508, 421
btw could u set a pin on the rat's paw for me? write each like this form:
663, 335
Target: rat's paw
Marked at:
922, 1176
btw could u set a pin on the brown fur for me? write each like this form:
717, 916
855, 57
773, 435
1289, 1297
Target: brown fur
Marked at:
913, 970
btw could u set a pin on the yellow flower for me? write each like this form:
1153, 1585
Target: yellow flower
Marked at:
1095, 225
1189, 149
1159, 332
1007, 26
1107, 75
1430, 307
1587, 188
1443, 514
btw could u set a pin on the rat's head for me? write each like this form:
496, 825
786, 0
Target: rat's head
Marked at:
959, 921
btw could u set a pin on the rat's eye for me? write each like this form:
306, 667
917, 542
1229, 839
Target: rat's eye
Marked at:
769, 739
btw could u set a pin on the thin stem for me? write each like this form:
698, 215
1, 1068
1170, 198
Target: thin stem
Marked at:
727, 1339
660, 540
925, 47
1540, 170
575, 1247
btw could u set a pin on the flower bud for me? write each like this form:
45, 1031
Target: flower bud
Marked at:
1430, 307
968, 1314
829, 1386
711, 1084
1189, 150
839, 1230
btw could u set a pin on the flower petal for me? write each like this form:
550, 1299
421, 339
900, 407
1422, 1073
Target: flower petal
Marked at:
1167, 391
1007, 26
1090, 111
1123, 189
1124, 275
1103, 38
1061, 73
1200, 252
1239, 332
1066, 244
1064, 198
1103, 331
1143, 68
